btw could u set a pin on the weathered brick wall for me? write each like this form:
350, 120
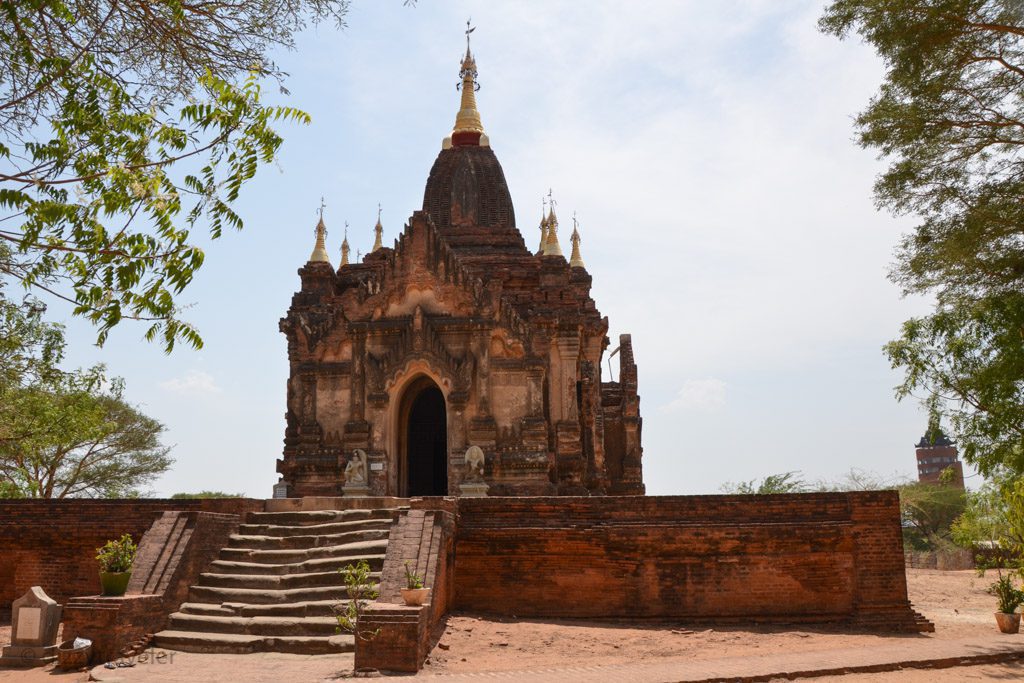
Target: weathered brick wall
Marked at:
834, 557
52, 543
423, 537
172, 553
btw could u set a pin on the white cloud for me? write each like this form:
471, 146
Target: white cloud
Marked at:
194, 383
698, 394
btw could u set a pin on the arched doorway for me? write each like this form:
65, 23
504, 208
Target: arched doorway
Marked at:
424, 435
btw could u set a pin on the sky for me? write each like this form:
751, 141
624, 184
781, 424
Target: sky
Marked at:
726, 214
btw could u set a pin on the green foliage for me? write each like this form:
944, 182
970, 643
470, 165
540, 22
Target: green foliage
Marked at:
412, 580
928, 512
1009, 596
787, 482
950, 119
985, 520
65, 434
862, 480
10, 490
123, 127
206, 494
361, 589
117, 556
1012, 491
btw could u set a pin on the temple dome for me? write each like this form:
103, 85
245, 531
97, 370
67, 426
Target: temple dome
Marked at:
467, 187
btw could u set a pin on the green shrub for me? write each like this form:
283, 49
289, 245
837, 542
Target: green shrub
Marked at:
117, 556
412, 580
1009, 596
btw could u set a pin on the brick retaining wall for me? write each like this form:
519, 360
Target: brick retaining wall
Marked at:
52, 543
831, 557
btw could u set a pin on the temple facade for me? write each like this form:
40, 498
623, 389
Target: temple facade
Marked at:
458, 361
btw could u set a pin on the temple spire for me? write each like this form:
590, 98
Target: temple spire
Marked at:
468, 130
575, 261
378, 230
344, 247
543, 225
551, 246
320, 248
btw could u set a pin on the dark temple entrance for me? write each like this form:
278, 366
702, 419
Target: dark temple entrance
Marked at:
426, 441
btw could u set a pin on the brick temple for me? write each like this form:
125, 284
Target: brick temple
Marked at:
456, 363
458, 339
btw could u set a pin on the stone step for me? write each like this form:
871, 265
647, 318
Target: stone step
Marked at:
277, 586
254, 626
234, 643
346, 550
262, 596
313, 529
305, 542
317, 517
306, 608
275, 582
376, 563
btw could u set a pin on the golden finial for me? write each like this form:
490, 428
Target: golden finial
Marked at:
551, 246
320, 248
378, 231
468, 127
345, 247
575, 261
543, 225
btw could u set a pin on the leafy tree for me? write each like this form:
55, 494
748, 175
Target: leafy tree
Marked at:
985, 520
862, 480
65, 434
206, 494
29, 348
74, 438
786, 482
928, 512
949, 116
124, 125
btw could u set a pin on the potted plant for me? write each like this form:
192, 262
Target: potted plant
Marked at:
414, 593
115, 560
1009, 598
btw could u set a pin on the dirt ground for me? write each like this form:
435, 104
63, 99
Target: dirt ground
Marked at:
955, 601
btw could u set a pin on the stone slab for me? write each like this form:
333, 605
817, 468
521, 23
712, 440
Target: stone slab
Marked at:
473, 490
35, 618
355, 491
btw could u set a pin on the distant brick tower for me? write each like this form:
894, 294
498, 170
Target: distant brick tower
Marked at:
935, 453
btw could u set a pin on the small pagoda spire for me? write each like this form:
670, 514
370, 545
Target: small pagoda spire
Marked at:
575, 261
344, 247
469, 129
320, 248
551, 245
543, 225
378, 230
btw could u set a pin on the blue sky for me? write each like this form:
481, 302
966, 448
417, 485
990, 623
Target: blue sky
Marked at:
725, 211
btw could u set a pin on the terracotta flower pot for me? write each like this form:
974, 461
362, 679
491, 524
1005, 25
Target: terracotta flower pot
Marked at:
114, 583
417, 596
1008, 623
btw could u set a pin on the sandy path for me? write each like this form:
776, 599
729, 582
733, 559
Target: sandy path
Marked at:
955, 601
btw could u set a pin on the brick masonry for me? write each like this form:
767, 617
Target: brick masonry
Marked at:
833, 557
396, 637
830, 557
172, 554
52, 543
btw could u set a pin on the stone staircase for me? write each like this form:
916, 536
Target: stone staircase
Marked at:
275, 587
